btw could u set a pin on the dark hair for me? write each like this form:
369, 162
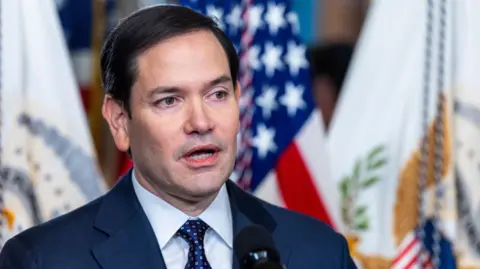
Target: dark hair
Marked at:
331, 60
145, 29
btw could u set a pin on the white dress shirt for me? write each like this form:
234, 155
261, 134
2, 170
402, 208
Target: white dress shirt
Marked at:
166, 220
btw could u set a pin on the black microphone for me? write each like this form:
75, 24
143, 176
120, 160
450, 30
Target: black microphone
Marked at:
255, 249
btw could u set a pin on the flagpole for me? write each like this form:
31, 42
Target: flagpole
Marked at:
424, 151
439, 134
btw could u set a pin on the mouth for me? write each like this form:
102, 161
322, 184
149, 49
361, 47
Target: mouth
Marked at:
204, 155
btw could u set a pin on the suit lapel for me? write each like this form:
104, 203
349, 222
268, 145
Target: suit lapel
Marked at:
248, 210
131, 242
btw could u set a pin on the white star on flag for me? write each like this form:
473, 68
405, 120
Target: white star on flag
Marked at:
295, 57
234, 19
292, 18
263, 141
292, 99
245, 99
267, 101
253, 57
275, 17
271, 58
255, 18
216, 13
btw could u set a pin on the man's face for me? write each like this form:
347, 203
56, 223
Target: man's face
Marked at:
185, 116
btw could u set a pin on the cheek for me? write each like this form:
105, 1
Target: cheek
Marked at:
156, 136
229, 122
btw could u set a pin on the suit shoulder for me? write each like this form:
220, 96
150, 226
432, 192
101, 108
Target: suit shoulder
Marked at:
304, 226
314, 240
289, 220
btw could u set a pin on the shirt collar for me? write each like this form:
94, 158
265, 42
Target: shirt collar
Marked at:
219, 216
166, 219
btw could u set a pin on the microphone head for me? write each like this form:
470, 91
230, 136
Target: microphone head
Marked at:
253, 246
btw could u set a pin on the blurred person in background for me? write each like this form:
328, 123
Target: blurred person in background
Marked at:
329, 64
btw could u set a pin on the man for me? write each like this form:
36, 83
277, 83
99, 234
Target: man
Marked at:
329, 64
172, 102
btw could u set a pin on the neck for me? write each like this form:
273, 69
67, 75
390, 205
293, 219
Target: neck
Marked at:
192, 206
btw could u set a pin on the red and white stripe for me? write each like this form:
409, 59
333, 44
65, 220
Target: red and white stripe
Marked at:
301, 179
246, 41
244, 157
410, 255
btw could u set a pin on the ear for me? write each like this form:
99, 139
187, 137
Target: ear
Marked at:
238, 91
238, 94
117, 119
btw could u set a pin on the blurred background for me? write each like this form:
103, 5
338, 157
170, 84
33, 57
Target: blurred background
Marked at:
364, 114
329, 28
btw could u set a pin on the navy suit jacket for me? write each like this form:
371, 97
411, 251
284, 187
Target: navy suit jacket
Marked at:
113, 232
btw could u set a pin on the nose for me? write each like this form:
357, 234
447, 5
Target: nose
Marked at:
199, 120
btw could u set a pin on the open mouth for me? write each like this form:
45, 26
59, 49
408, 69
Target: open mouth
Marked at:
202, 155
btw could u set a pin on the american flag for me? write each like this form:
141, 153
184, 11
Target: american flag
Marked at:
281, 154
78, 23
411, 254
83, 23
419, 249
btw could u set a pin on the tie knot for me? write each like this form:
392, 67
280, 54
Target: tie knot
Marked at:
193, 231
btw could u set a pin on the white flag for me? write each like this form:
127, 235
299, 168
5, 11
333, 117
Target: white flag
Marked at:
48, 162
376, 135
467, 131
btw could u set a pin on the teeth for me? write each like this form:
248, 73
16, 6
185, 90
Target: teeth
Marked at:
200, 156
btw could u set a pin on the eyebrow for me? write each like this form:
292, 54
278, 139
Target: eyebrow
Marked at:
166, 89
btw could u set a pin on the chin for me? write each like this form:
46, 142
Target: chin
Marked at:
205, 186
202, 191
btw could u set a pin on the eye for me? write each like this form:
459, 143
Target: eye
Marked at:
166, 102
220, 95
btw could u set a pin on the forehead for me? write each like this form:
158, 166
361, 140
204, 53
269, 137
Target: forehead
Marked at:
183, 61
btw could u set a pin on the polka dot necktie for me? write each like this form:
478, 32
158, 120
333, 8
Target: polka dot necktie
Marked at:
193, 231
